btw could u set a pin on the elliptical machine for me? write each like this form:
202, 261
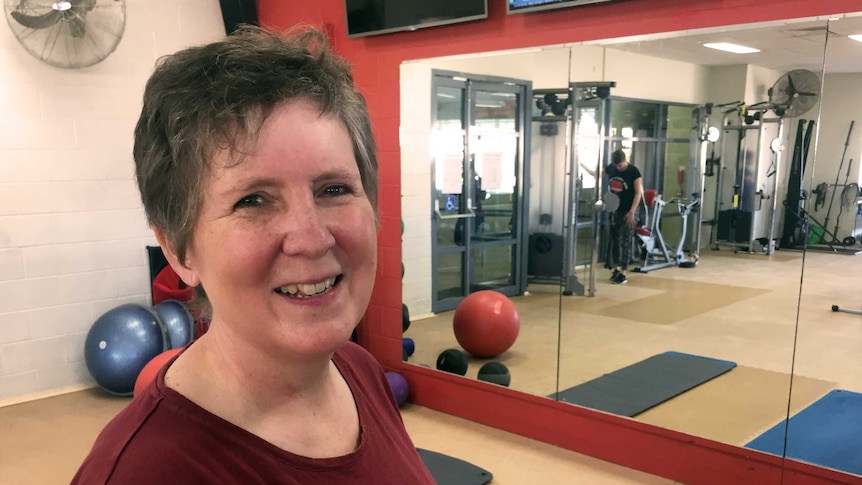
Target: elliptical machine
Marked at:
655, 252
685, 208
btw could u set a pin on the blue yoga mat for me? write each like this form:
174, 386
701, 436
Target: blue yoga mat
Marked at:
642, 385
827, 433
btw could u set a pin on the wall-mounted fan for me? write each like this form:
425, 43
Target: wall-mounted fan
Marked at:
794, 93
69, 34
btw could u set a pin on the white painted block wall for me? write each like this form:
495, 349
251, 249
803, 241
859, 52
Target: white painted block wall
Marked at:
72, 230
841, 104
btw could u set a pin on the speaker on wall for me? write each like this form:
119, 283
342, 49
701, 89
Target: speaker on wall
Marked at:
236, 12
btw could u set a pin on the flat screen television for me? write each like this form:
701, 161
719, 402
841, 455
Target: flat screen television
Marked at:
521, 6
373, 17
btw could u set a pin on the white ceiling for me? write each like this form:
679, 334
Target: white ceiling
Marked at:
784, 46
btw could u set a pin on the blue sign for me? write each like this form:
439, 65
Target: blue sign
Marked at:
451, 203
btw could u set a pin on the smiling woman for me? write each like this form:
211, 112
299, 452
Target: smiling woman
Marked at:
746, 301
259, 178
274, 235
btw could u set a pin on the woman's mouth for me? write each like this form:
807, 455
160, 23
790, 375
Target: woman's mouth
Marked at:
308, 290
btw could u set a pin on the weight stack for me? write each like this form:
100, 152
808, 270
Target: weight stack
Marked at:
545, 257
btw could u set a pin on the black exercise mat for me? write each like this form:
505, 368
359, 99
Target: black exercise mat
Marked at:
452, 471
638, 387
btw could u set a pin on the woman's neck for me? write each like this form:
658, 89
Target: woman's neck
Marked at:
216, 372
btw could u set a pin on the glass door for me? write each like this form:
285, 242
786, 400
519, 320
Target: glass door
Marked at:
477, 192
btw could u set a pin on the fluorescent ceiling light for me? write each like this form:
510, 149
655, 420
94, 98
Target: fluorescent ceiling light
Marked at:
856, 37
736, 49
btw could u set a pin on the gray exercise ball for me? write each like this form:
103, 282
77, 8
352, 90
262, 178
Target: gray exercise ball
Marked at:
119, 345
178, 322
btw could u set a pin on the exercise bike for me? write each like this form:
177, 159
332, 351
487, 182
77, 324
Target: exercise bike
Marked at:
655, 252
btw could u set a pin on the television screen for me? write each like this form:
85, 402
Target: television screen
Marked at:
372, 17
520, 6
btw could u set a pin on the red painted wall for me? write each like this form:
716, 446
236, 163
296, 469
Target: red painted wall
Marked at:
376, 62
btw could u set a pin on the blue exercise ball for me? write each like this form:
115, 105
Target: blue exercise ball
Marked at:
119, 345
409, 345
178, 322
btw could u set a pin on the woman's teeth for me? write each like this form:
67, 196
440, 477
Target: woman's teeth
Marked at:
304, 291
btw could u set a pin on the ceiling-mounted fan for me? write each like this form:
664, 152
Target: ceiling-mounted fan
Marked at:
70, 34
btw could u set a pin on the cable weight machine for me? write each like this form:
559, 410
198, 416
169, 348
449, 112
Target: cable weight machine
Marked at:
747, 179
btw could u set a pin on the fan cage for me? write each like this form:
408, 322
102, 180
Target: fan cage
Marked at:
71, 35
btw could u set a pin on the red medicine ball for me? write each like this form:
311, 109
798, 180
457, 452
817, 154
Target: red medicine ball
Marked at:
486, 323
151, 370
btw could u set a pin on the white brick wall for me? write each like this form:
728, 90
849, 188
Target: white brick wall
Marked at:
72, 231
416, 188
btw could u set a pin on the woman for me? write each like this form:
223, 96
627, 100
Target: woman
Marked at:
258, 173
624, 181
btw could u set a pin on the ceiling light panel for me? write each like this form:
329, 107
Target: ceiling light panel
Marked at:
734, 48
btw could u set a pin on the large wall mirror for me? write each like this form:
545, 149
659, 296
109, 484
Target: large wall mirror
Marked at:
752, 165
830, 311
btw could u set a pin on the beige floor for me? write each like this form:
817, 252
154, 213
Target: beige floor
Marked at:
737, 307
753, 322
42, 443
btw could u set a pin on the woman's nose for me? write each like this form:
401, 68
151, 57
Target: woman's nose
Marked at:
306, 231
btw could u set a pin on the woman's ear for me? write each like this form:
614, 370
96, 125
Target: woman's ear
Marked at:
184, 270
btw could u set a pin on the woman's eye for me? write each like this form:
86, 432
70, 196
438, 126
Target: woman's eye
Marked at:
336, 190
249, 201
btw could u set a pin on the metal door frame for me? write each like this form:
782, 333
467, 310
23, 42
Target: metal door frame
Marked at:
584, 95
470, 83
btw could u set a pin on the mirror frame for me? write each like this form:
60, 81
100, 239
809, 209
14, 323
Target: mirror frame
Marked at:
376, 62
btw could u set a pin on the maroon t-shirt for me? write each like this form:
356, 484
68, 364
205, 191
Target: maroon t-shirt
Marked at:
161, 437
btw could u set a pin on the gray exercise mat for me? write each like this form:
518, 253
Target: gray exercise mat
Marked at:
453, 471
640, 386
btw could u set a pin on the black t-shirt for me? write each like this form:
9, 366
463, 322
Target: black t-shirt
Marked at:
622, 183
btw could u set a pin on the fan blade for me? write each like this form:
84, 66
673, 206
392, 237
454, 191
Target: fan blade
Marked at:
85, 4
77, 26
791, 88
37, 21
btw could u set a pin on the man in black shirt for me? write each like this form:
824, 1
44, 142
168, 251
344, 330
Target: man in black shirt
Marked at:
624, 180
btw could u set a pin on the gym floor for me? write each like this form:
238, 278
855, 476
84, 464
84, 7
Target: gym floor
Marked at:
44, 441
732, 306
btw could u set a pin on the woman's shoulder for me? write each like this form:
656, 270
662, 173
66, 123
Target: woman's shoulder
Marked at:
162, 437
116, 438
360, 369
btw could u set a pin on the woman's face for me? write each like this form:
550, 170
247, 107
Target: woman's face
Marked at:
285, 244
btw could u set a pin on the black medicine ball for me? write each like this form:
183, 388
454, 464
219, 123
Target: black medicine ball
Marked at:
405, 318
452, 360
495, 373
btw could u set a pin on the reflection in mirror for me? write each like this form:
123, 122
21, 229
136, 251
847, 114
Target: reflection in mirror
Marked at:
829, 333
700, 339
703, 336
471, 205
